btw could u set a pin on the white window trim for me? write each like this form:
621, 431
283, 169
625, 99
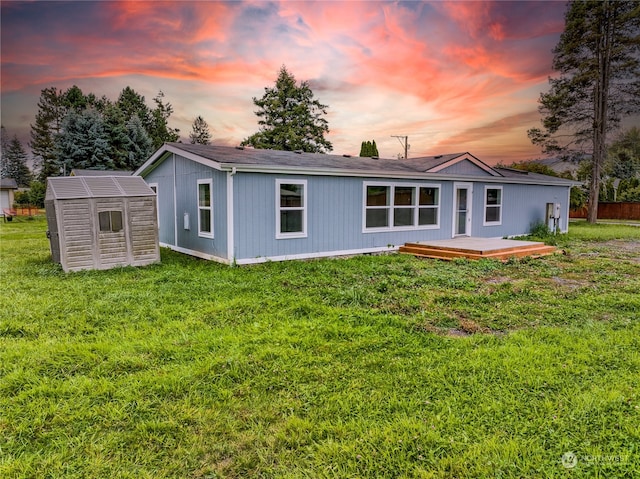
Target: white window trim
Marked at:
297, 234
391, 206
208, 181
152, 186
484, 211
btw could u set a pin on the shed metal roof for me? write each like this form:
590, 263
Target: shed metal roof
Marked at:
76, 187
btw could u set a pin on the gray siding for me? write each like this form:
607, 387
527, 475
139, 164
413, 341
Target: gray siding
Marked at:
522, 207
335, 213
465, 168
163, 177
185, 198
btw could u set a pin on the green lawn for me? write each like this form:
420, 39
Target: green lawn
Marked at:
369, 367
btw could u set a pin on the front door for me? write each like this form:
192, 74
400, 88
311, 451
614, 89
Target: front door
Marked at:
462, 209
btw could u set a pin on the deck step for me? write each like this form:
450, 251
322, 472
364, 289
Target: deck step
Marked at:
449, 253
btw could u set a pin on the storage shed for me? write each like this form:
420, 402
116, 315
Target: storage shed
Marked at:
101, 222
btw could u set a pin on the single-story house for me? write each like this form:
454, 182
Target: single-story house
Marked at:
8, 186
244, 205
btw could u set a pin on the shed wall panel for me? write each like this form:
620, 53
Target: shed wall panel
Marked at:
76, 237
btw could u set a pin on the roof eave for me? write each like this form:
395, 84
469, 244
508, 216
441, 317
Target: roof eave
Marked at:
248, 168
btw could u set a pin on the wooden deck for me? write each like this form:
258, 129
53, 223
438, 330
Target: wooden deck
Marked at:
477, 248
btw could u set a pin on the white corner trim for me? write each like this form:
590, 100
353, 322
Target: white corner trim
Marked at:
230, 238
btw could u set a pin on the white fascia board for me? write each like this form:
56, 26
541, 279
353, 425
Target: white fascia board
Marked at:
288, 170
151, 162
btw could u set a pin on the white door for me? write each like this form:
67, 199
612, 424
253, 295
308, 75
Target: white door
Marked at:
462, 209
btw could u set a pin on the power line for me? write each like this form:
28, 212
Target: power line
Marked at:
404, 143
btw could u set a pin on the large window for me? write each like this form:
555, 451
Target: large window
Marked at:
291, 209
400, 206
205, 208
492, 205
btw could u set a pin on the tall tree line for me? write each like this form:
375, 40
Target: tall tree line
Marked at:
598, 61
77, 130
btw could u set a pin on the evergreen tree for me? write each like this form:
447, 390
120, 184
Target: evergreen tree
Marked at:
599, 82
14, 161
368, 149
290, 118
131, 104
47, 125
74, 100
200, 132
623, 160
83, 142
140, 145
119, 142
159, 131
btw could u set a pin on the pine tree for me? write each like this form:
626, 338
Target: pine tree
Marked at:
83, 142
200, 132
368, 149
599, 83
290, 118
159, 131
140, 145
14, 161
131, 104
47, 125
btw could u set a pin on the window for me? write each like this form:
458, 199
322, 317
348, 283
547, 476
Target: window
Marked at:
400, 206
154, 188
428, 204
110, 221
205, 209
492, 205
291, 209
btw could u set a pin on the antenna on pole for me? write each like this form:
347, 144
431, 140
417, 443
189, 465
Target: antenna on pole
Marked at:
404, 141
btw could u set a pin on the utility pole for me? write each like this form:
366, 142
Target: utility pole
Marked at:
404, 143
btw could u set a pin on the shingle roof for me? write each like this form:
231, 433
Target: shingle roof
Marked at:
252, 156
259, 160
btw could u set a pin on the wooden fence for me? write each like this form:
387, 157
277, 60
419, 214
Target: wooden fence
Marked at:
611, 211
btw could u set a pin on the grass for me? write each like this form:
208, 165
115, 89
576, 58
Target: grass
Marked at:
373, 366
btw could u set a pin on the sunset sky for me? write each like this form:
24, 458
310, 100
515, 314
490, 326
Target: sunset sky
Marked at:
453, 76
